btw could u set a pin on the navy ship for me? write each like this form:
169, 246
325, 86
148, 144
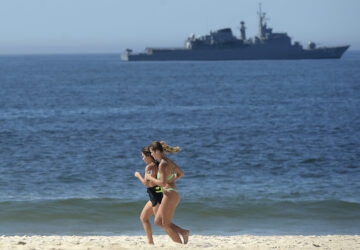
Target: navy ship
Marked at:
223, 45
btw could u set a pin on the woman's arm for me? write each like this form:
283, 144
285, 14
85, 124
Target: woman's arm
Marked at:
149, 167
146, 183
179, 172
143, 181
162, 172
152, 168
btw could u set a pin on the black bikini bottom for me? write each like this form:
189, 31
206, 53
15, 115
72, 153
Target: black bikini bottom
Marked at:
155, 195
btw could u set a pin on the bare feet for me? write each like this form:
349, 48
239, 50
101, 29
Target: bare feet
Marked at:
185, 234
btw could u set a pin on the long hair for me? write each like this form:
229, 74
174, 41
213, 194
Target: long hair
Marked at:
146, 151
163, 147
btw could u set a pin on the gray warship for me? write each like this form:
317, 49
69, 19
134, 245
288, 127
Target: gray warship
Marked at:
223, 45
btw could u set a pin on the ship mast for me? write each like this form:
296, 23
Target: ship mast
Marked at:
261, 19
242, 30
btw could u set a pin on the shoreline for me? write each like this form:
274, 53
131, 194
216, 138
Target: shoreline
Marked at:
195, 242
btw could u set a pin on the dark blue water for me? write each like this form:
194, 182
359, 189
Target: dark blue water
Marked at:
268, 147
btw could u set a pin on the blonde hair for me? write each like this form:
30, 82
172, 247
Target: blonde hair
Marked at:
168, 149
163, 147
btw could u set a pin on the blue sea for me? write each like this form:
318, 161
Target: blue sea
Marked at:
268, 147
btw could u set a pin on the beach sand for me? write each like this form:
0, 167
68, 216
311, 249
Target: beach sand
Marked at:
196, 242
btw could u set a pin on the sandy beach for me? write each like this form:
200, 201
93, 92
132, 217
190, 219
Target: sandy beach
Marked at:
196, 242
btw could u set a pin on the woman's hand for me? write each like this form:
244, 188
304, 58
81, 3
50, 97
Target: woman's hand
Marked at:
147, 177
137, 174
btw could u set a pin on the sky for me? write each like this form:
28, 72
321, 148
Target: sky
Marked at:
110, 26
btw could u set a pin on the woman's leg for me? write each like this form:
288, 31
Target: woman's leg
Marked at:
184, 233
156, 208
144, 217
165, 214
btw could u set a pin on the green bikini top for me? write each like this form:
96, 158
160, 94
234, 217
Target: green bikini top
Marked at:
168, 178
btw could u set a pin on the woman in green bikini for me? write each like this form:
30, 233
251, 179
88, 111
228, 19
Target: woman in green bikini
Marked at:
168, 173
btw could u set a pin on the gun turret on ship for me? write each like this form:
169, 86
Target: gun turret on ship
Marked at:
223, 45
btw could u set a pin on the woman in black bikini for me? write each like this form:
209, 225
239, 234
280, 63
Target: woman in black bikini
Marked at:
155, 192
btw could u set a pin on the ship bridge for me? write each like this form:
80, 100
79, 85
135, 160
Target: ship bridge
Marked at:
221, 37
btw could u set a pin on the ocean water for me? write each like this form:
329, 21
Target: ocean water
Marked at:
268, 147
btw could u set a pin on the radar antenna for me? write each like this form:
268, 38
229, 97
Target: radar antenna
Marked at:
262, 18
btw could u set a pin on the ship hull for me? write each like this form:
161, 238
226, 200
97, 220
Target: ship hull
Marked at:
247, 53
